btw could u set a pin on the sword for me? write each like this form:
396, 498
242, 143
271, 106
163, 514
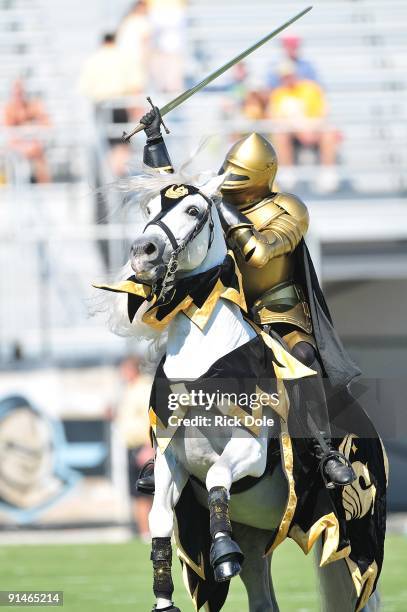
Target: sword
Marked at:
214, 75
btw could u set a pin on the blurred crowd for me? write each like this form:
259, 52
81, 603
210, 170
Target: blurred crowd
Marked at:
147, 50
28, 118
146, 54
291, 96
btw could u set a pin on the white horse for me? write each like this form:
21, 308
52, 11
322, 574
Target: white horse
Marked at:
192, 229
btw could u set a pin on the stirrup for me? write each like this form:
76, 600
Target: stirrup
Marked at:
142, 484
145, 467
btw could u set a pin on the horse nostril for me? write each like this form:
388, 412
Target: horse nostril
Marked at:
149, 248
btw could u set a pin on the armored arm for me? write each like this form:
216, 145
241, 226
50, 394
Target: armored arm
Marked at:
155, 151
284, 222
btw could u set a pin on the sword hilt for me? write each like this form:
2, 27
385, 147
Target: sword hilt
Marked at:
167, 131
126, 137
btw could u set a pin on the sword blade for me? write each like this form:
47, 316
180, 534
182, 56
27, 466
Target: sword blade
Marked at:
214, 75
217, 73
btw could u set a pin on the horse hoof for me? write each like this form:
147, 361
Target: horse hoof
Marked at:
168, 609
226, 558
226, 571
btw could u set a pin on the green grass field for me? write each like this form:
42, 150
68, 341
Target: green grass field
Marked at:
98, 577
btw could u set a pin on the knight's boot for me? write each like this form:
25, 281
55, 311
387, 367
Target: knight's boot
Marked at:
146, 483
226, 558
335, 468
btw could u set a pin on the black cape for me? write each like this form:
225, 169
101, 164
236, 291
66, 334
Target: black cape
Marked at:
338, 366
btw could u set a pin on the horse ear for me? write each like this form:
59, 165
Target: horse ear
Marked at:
212, 186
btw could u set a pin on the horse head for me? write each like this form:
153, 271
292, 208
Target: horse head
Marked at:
182, 236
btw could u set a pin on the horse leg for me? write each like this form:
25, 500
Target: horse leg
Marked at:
255, 572
170, 479
241, 457
336, 587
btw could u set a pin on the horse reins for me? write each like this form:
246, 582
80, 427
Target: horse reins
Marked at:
167, 284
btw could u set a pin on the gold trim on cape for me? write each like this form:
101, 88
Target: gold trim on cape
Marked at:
198, 569
328, 525
127, 286
287, 465
290, 368
199, 316
363, 584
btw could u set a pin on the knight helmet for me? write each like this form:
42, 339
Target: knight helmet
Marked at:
250, 168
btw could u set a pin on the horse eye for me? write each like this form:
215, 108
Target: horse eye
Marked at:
193, 211
148, 210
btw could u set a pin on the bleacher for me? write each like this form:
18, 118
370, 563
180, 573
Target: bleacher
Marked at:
360, 51
358, 46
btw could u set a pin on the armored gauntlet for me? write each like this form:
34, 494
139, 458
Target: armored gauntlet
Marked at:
155, 151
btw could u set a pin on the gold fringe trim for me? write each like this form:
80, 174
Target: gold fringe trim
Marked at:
287, 464
200, 316
150, 317
283, 405
167, 433
290, 368
127, 286
328, 525
363, 584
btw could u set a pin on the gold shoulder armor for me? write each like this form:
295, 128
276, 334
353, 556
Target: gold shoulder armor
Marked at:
295, 207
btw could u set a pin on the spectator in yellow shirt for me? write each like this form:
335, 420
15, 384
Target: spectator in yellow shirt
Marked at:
299, 110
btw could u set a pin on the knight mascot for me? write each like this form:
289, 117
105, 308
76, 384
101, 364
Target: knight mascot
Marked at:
265, 230
235, 288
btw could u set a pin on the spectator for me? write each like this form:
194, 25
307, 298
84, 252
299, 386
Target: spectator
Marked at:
133, 425
134, 39
299, 109
255, 102
168, 23
109, 75
245, 95
22, 111
292, 51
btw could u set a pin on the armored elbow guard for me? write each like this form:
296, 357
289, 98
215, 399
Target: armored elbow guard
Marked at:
253, 247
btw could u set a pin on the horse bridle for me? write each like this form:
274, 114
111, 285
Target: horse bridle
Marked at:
166, 287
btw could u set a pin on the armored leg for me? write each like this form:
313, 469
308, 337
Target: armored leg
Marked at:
335, 469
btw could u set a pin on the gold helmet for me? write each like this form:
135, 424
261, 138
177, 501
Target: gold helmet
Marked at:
250, 168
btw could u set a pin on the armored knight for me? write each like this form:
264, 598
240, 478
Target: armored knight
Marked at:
265, 229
